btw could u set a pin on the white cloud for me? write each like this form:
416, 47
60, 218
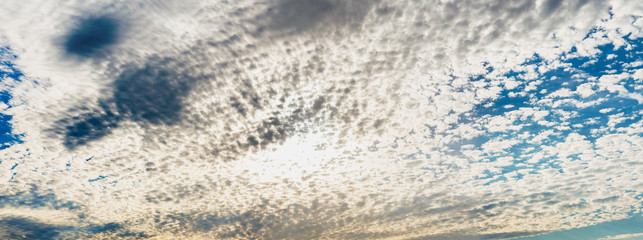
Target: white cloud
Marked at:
622, 236
606, 110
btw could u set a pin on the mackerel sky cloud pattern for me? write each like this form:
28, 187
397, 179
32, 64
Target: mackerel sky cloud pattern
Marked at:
320, 119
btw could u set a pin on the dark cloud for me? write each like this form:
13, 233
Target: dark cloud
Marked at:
18, 228
89, 127
108, 227
154, 93
25, 228
36, 198
551, 6
92, 36
148, 94
112, 229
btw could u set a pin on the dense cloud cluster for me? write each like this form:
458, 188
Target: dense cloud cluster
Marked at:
313, 119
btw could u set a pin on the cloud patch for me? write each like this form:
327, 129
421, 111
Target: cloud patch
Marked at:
92, 36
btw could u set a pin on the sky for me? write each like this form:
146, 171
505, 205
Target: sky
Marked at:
321, 119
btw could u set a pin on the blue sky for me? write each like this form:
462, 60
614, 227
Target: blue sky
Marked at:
7, 137
565, 78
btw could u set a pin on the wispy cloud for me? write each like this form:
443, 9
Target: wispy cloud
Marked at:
622, 236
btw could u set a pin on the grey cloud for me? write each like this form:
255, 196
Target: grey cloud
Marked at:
25, 228
87, 127
507, 235
93, 36
113, 230
296, 16
19, 228
149, 94
36, 198
551, 6
97, 33
154, 93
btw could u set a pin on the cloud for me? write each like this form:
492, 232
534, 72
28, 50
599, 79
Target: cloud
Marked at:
310, 15
323, 118
23, 228
151, 94
622, 236
92, 36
